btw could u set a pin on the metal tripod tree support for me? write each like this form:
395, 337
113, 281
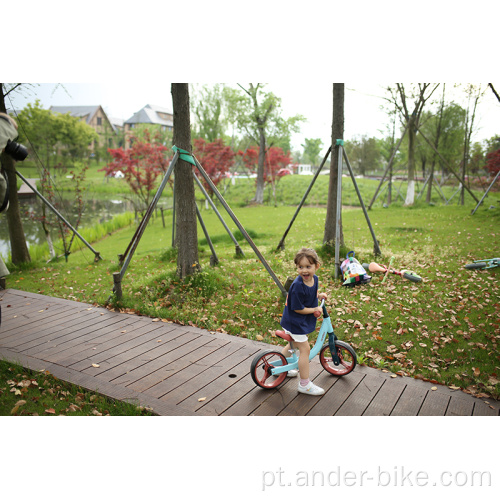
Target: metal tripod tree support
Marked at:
343, 155
190, 158
97, 255
281, 244
389, 165
485, 194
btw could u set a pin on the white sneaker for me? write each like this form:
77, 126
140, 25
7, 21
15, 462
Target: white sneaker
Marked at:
311, 389
292, 373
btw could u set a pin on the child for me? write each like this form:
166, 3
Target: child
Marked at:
298, 318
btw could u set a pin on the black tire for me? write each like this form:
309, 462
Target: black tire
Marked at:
261, 366
347, 355
476, 265
412, 277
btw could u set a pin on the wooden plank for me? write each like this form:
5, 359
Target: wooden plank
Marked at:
204, 373
156, 370
361, 397
29, 321
182, 370
197, 349
222, 402
52, 328
410, 401
332, 400
386, 398
217, 387
435, 404
139, 356
66, 335
120, 344
93, 342
482, 408
460, 407
285, 394
303, 403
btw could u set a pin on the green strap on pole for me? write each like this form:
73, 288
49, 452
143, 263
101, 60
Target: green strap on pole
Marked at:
184, 155
340, 142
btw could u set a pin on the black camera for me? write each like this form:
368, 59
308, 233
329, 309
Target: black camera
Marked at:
16, 150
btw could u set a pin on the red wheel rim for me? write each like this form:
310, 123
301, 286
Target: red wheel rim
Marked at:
346, 362
263, 374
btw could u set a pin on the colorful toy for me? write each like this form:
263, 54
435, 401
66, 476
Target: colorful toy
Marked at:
373, 267
353, 272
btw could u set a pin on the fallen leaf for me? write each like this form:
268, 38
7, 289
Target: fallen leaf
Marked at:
95, 365
433, 388
477, 372
51, 411
259, 337
201, 399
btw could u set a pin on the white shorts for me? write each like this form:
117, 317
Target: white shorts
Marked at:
302, 337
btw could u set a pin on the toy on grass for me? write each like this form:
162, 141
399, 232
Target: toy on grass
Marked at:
484, 264
353, 272
373, 267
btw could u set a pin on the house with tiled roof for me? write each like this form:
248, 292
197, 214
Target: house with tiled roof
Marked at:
107, 129
149, 114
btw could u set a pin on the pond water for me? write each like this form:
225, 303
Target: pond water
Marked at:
98, 210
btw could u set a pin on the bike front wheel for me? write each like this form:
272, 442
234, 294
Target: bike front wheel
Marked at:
261, 367
346, 354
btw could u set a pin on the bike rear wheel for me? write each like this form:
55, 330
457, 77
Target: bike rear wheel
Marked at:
476, 265
347, 357
261, 367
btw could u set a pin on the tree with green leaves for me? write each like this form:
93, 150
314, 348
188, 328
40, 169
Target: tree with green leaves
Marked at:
364, 154
208, 106
410, 101
258, 115
312, 150
57, 140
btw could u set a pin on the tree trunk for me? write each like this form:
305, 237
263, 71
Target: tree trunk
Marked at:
259, 192
337, 133
185, 204
429, 183
412, 136
18, 246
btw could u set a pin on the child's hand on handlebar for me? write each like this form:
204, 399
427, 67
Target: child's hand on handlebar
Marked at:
318, 312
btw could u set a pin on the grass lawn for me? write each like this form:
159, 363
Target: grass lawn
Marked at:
445, 329
25, 392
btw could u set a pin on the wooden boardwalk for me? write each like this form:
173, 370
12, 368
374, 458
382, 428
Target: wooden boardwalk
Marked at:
182, 370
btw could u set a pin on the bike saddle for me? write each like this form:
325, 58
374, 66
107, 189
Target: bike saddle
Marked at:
283, 335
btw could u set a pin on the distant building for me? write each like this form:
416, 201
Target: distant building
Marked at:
149, 114
301, 169
107, 129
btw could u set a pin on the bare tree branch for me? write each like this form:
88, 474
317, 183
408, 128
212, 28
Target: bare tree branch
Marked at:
490, 85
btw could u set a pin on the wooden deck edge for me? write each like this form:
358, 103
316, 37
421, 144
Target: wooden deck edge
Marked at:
92, 384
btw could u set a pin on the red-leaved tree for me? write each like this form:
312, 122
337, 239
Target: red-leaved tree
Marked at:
141, 165
493, 162
215, 158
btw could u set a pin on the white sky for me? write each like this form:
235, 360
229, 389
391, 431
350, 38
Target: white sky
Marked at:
363, 102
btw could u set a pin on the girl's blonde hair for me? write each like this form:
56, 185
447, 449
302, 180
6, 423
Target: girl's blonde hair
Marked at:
309, 254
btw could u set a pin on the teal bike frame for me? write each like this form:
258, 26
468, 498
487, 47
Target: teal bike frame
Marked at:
293, 361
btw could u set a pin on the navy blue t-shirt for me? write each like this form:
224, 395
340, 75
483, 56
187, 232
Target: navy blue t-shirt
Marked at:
299, 297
